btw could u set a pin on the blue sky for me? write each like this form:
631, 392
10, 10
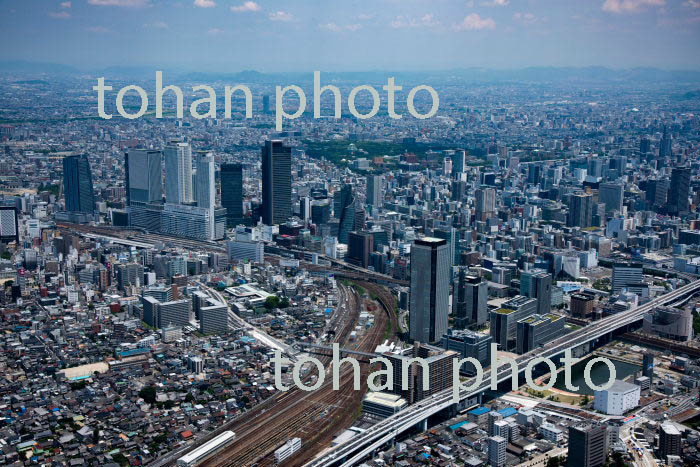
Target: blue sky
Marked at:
302, 35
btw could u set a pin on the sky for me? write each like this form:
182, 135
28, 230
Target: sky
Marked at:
352, 35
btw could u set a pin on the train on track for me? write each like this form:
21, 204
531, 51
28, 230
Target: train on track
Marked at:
207, 450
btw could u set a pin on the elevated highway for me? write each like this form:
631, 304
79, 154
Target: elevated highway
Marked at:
354, 450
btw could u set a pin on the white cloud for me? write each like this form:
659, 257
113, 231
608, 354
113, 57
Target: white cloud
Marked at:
98, 29
428, 20
337, 28
157, 25
60, 15
126, 3
495, 3
365, 16
247, 6
630, 6
525, 18
205, 3
215, 31
66, 4
281, 16
692, 3
474, 22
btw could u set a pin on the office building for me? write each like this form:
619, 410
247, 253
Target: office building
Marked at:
469, 344
188, 221
626, 276
665, 145
276, 182
382, 404
580, 210
173, 313
213, 317
241, 251
232, 193
537, 284
178, 173
9, 226
375, 190
287, 450
669, 323
648, 366
144, 177
469, 302
130, 274
497, 451
360, 247
430, 289
669, 441
537, 330
612, 195
144, 188
449, 234
485, 205
588, 445
437, 362
504, 320
582, 305
77, 184
679, 191
621, 397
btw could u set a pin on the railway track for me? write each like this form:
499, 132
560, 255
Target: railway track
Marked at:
316, 416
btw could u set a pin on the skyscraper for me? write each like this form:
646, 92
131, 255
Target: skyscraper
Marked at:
469, 305
276, 182
588, 445
375, 190
580, 210
612, 194
144, 188
144, 177
430, 281
178, 173
669, 440
205, 185
537, 284
77, 184
232, 193
485, 203
679, 191
665, 145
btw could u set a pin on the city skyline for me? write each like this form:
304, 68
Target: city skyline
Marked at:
361, 35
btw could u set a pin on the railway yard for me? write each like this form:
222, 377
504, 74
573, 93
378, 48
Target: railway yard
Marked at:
316, 416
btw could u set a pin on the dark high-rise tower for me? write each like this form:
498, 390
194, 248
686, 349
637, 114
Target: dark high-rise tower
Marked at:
679, 191
276, 182
588, 445
580, 210
77, 184
430, 289
232, 193
144, 176
665, 145
469, 306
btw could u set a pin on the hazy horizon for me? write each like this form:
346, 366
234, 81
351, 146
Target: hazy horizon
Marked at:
406, 35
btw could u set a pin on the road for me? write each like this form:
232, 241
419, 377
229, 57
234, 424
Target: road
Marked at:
347, 454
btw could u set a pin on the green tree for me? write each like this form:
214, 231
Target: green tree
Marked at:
272, 302
148, 394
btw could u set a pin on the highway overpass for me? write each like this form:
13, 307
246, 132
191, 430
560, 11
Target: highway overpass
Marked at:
354, 450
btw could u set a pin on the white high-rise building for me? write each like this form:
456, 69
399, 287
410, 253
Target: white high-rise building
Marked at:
497, 451
205, 184
178, 173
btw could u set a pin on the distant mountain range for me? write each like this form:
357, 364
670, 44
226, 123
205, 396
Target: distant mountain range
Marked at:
477, 75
